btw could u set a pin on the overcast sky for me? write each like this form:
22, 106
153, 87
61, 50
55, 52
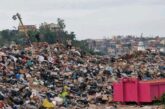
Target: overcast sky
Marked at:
90, 18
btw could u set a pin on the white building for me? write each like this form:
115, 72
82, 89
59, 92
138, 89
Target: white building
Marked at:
162, 50
54, 27
141, 46
51, 26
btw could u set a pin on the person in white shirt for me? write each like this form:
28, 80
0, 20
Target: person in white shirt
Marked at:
69, 44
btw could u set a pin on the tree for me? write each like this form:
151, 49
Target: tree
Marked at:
32, 35
72, 36
6, 35
44, 27
61, 23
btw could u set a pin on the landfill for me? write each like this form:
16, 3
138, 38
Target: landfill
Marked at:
55, 76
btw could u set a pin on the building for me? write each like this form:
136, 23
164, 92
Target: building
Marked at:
51, 26
162, 50
141, 46
27, 28
54, 27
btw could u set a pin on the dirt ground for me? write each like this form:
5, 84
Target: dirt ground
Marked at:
127, 107
118, 107
142, 107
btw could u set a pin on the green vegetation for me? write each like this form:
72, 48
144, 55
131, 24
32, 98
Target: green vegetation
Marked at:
162, 99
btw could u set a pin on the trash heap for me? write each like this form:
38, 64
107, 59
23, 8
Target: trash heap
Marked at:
144, 65
53, 76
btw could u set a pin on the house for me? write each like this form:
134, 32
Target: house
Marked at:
54, 27
141, 46
27, 28
162, 50
51, 26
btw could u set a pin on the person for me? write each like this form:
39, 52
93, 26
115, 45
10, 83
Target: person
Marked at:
37, 36
69, 44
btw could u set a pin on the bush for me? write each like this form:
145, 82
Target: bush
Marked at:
162, 99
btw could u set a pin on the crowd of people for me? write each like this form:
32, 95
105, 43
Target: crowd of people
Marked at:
55, 76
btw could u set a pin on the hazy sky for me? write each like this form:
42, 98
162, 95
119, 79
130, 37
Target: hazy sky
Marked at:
90, 18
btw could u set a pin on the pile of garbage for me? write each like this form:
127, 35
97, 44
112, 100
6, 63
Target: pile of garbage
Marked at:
47, 76
144, 65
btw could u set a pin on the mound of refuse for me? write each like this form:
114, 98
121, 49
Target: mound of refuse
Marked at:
53, 76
